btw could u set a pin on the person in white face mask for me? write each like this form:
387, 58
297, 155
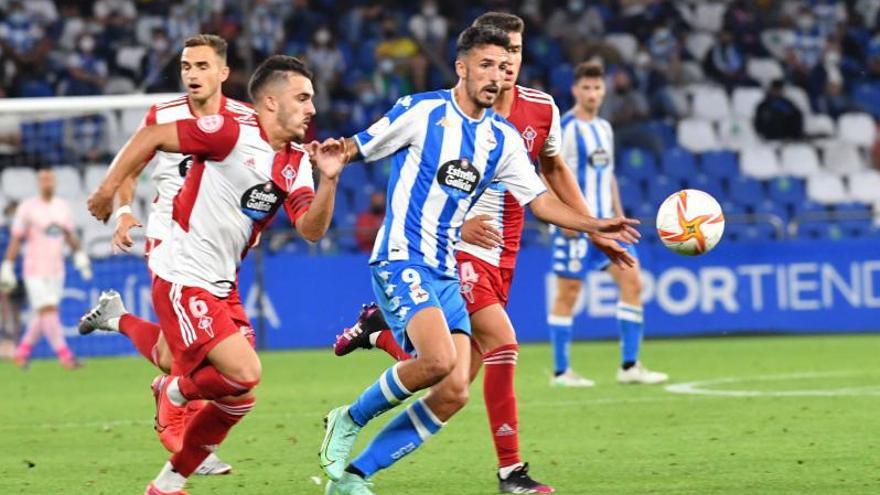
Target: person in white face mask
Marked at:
428, 25
88, 71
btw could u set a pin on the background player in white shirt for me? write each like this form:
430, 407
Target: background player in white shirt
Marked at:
588, 147
203, 70
43, 224
245, 169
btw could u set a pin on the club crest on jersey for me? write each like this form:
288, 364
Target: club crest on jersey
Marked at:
209, 124
262, 200
53, 230
600, 158
289, 175
184, 165
458, 176
529, 135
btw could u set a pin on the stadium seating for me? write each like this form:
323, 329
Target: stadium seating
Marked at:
697, 135
799, 160
760, 162
857, 128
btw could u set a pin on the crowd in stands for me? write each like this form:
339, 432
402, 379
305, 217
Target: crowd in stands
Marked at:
668, 64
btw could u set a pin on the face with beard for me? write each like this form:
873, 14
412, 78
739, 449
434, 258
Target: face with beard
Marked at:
295, 107
482, 71
589, 92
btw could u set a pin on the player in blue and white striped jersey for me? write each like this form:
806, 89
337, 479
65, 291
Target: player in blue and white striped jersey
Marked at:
588, 148
446, 148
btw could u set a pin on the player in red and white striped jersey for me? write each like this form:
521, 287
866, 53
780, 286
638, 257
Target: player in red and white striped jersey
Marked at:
487, 256
244, 170
203, 70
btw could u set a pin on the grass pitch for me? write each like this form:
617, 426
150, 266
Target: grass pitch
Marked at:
792, 415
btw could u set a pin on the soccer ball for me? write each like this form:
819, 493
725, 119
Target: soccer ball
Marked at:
690, 222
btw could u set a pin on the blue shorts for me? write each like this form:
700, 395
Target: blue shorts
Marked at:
573, 257
403, 289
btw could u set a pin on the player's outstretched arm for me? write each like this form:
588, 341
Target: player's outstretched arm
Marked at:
551, 210
562, 182
130, 159
329, 159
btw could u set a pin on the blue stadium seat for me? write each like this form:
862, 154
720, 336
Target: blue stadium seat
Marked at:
845, 211
733, 208
820, 229
679, 163
720, 164
544, 51
354, 177
561, 78
867, 97
645, 209
637, 164
857, 228
746, 190
789, 190
709, 184
662, 187
771, 207
755, 232
665, 131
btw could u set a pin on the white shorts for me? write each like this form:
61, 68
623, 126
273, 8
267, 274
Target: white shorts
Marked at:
44, 291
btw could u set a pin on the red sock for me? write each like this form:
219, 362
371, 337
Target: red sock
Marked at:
386, 342
206, 431
142, 333
500, 397
209, 384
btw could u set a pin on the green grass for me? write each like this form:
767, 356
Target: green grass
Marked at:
90, 431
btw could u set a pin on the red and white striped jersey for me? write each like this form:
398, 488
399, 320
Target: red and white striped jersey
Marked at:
169, 169
235, 186
536, 116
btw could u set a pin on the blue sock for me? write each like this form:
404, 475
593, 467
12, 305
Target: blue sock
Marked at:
381, 396
630, 322
402, 435
560, 339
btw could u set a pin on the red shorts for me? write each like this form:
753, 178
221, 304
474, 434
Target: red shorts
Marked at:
482, 284
193, 321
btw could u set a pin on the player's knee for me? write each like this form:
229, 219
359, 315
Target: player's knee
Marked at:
631, 289
438, 366
248, 374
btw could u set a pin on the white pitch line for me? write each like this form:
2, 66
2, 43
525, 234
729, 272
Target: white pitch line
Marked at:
700, 387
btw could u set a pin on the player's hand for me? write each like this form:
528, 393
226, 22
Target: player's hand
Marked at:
82, 264
122, 240
329, 158
619, 229
615, 252
100, 203
479, 231
8, 280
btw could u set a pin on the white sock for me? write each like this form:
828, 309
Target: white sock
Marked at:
113, 324
506, 470
169, 480
373, 338
173, 392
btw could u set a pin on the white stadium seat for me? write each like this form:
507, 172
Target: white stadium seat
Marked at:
625, 43
697, 135
819, 124
745, 101
760, 162
19, 182
857, 128
799, 160
864, 186
710, 103
826, 188
69, 182
709, 16
93, 176
737, 133
698, 44
841, 157
764, 70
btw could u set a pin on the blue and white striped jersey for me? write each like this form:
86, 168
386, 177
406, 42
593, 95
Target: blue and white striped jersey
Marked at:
588, 149
442, 160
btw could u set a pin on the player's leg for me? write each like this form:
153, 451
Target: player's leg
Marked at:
569, 254
54, 333
28, 340
630, 323
370, 330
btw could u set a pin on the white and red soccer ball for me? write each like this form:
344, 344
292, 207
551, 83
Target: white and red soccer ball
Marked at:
690, 222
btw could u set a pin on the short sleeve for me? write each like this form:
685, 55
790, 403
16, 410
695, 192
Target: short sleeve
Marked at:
569, 147
301, 191
20, 220
211, 137
553, 143
392, 132
517, 173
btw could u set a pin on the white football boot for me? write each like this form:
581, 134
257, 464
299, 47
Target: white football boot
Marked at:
213, 466
571, 379
640, 374
109, 307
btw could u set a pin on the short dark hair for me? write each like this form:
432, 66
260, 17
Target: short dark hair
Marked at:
509, 23
475, 36
273, 69
217, 43
588, 69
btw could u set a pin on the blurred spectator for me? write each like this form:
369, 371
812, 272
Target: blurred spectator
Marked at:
369, 221
742, 19
829, 15
20, 30
803, 57
665, 51
105, 10
428, 26
398, 55
159, 68
628, 111
10, 136
726, 62
70, 27
85, 138
577, 27
266, 30
44, 11
88, 72
326, 61
777, 117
